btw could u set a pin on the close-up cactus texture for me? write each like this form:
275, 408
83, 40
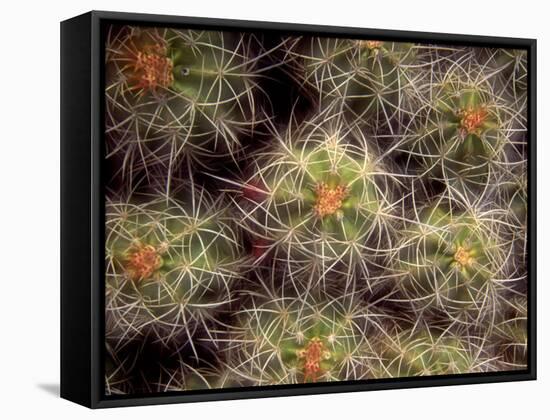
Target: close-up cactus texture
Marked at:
299, 209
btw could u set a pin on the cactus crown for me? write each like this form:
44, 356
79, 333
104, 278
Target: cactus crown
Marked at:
472, 119
329, 200
153, 68
143, 261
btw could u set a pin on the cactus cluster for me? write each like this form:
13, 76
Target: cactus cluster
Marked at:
299, 209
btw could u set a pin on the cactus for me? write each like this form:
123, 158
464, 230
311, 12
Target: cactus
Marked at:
319, 195
459, 139
467, 131
170, 266
365, 78
286, 340
174, 94
449, 260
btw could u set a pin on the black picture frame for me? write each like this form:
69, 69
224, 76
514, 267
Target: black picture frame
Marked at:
82, 210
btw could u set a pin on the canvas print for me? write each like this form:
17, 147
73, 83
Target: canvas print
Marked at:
298, 209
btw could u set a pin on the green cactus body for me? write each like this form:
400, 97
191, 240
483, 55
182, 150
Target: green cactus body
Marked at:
423, 353
460, 140
173, 92
324, 200
448, 260
170, 267
293, 343
366, 78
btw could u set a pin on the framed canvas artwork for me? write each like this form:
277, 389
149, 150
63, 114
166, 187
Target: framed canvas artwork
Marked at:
255, 209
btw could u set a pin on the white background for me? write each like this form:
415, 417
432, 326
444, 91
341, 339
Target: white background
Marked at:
29, 208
